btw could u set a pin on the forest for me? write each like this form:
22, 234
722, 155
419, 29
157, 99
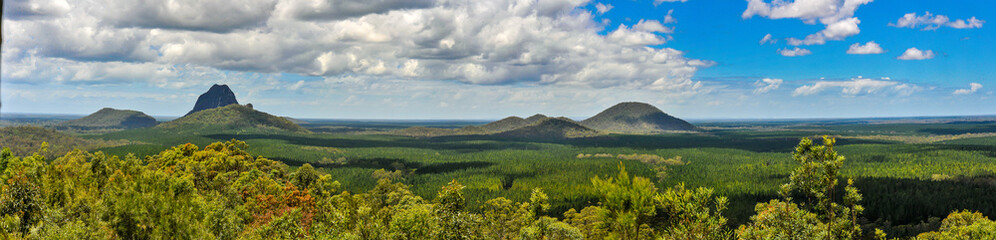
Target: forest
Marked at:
222, 191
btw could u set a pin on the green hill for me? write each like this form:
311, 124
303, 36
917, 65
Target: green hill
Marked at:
536, 118
25, 140
232, 116
112, 118
505, 124
636, 117
551, 128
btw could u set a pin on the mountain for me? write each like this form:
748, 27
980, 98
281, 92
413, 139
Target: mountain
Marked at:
551, 128
112, 118
536, 118
636, 117
233, 116
217, 96
505, 124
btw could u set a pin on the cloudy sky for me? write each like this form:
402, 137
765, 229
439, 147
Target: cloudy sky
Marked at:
460, 59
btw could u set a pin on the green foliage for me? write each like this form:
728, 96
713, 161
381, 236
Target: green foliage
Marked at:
745, 163
222, 192
782, 220
816, 178
629, 203
633, 208
25, 140
963, 225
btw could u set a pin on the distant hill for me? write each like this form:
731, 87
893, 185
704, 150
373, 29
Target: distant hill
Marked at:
233, 116
112, 118
505, 124
25, 140
636, 117
217, 96
551, 128
536, 118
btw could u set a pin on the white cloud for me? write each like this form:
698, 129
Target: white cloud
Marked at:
834, 31
502, 42
916, 54
652, 26
767, 84
216, 16
668, 18
767, 39
836, 15
658, 2
932, 22
603, 8
343, 9
973, 87
868, 48
795, 52
857, 86
636, 37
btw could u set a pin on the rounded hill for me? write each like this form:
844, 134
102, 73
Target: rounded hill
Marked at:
112, 118
505, 124
232, 116
551, 128
636, 117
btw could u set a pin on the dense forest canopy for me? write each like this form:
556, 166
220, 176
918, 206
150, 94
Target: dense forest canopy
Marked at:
222, 192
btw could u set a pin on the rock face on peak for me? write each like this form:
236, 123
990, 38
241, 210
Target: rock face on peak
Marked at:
112, 118
217, 96
636, 117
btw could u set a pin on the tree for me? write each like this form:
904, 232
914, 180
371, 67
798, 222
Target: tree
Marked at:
629, 204
963, 225
815, 179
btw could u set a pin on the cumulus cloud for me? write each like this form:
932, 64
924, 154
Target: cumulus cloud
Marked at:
767, 39
217, 16
916, 54
834, 31
22, 9
973, 87
658, 2
836, 15
857, 86
502, 42
931, 22
652, 26
767, 84
795, 52
603, 8
868, 48
343, 9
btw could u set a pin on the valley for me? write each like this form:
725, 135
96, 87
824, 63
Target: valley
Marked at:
745, 161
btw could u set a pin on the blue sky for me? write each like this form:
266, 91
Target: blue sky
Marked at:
448, 59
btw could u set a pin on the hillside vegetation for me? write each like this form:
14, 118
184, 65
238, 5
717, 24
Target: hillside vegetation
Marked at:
232, 116
505, 124
550, 128
23, 140
112, 118
635, 117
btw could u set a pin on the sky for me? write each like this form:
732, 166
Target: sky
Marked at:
453, 59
